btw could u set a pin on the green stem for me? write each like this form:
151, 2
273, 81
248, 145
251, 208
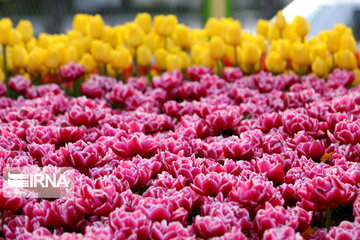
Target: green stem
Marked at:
6, 73
328, 221
77, 87
218, 64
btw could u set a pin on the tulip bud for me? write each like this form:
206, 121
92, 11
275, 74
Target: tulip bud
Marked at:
230, 54
121, 59
185, 59
182, 36
19, 56
71, 54
318, 50
53, 58
348, 42
96, 27
136, 35
44, 40
345, 59
217, 48
262, 27
333, 41
143, 55
88, 62
109, 36
170, 23
173, 62
282, 46
26, 29
36, 58
320, 68
280, 21
299, 54
101, 51
15, 37
273, 33
206, 59
143, 20
211, 27
233, 34
159, 24
5, 31
80, 22
160, 58
274, 63
250, 53
301, 26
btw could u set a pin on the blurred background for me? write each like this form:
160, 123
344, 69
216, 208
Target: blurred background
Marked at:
55, 16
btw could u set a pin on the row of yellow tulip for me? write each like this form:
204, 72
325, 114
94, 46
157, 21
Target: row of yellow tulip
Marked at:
164, 43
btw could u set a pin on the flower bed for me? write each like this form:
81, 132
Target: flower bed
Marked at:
180, 133
237, 157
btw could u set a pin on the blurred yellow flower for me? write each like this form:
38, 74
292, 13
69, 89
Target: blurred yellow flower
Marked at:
320, 68
143, 55
273, 33
173, 62
262, 27
88, 62
333, 41
274, 63
52, 58
301, 26
160, 58
280, 21
19, 56
299, 54
101, 51
250, 53
217, 48
36, 58
348, 42
26, 29
14, 37
143, 20
96, 27
136, 35
233, 34
121, 59
345, 59
182, 36
80, 22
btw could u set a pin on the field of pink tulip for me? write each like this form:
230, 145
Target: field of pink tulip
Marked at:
233, 157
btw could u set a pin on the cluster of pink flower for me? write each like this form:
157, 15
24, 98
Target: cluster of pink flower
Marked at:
237, 157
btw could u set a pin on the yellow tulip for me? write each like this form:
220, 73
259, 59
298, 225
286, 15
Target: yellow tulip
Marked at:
182, 36
44, 40
19, 56
80, 22
230, 54
143, 55
280, 21
250, 53
348, 42
121, 59
2, 75
88, 62
206, 59
109, 36
160, 58
273, 33
15, 37
274, 63
185, 59
357, 77
136, 35
173, 62
282, 46
36, 58
345, 59
71, 54
318, 50
26, 29
170, 23
101, 51
233, 34
299, 54
320, 67
217, 48
290, 34
52, 58
333, 41
301, 26
31, 44
211, 27
5, 30
159, 24
262, 27
143, 20
96, 27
